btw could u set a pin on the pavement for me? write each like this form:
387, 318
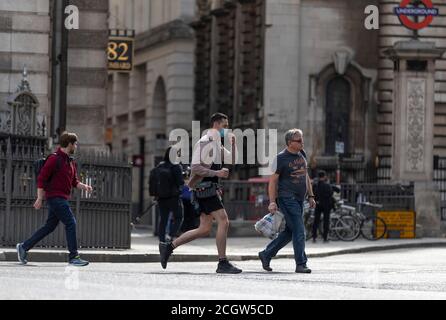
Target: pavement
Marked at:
144, 248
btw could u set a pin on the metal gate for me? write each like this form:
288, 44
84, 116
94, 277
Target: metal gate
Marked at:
103, 218
440, 181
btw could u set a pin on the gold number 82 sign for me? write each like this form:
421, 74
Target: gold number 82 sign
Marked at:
120, 54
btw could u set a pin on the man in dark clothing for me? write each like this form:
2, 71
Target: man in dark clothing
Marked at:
324, 203
171, 203
55, 181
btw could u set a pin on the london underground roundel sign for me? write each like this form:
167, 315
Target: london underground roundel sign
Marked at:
428, 12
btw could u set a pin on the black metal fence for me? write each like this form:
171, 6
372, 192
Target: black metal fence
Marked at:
440, 181
245, 200
249, 200
103, 217
353, 169
391, 197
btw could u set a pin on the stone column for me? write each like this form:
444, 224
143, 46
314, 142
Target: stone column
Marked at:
150, 132
133, 99
87, 73
413, 124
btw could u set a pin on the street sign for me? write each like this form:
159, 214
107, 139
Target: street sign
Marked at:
400, 224
427, 12
339, 147
120, 54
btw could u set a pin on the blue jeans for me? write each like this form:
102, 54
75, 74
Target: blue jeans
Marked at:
292, 209
58, 210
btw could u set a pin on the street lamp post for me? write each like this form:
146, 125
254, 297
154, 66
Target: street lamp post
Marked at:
338, 169
338, 149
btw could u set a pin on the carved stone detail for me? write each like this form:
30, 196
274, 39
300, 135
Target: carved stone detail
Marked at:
5, 121
23, 120
415, 136
342, 59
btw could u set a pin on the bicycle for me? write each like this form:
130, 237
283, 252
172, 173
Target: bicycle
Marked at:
309, 221
371, 227
342, 227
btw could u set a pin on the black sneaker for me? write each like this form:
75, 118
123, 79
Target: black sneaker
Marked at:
224, 266
166, 250
265, 261
302, 269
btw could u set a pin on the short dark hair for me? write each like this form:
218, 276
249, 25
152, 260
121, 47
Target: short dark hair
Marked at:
322, 174
218, 117
66, 138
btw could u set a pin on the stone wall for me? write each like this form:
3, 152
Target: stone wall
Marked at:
87, 73
301, 38
24, 40
153, 99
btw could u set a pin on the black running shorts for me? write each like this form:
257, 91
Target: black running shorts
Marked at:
209, 205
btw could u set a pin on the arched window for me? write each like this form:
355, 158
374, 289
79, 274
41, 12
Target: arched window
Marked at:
338, 105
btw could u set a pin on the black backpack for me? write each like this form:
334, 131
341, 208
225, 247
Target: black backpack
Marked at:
162, 183
38, 165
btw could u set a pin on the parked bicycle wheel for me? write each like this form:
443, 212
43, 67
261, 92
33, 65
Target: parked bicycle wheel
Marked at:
309, 220
347, 228
332, 236
308, 223
373, 228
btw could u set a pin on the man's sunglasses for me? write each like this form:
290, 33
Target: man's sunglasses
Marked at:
298, 141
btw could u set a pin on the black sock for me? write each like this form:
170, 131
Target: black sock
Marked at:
223, 259
171, 246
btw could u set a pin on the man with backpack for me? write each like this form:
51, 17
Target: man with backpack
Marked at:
165, 183
206, 170
54, 182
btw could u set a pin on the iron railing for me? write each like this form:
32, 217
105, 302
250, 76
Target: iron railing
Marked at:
249, 201
440, 182
103, 217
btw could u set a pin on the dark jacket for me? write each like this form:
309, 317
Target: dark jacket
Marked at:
177, 174
323, 194
63, 179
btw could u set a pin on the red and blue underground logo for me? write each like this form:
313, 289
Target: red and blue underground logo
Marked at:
428, 12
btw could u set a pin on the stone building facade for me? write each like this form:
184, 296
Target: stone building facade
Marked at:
307, 55
158, 95
24, 37
269, 63
87, 73
315, 66
75, 98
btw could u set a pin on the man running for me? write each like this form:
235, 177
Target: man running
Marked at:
206, 171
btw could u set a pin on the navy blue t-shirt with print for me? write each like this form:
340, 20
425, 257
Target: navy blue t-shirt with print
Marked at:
292, 171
